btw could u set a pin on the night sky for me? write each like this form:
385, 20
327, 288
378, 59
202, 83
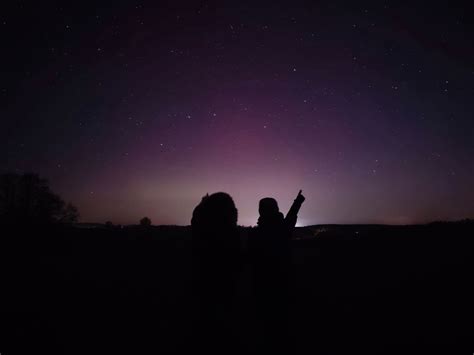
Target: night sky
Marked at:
134, 109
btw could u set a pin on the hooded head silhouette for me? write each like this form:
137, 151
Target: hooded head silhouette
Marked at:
268, 207
270, 214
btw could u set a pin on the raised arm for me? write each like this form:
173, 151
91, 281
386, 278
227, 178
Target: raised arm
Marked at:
292, 214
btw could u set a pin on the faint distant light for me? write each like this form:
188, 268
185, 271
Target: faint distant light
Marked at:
301, 223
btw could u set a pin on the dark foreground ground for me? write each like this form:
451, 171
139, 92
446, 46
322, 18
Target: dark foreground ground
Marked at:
355, 288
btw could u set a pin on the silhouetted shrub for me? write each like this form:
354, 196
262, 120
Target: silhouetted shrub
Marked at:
27, 198
145, 222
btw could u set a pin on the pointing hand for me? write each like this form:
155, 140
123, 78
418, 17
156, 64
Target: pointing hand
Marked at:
300, 198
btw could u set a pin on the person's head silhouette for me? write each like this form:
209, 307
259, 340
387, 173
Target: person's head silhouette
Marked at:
215, 218
269, 212
268, 207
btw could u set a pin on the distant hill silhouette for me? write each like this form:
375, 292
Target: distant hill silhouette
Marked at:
128, 290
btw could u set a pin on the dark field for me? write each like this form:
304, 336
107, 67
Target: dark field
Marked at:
354, 288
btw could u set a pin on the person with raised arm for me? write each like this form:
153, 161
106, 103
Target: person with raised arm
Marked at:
271, 259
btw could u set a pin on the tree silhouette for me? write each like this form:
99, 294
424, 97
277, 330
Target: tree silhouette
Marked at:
27, 198
145, 222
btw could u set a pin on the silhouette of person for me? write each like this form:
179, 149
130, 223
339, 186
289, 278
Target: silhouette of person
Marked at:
216, 251
271, 261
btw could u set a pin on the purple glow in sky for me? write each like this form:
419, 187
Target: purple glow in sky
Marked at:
140, 109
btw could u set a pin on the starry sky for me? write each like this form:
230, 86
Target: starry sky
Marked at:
140, 108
